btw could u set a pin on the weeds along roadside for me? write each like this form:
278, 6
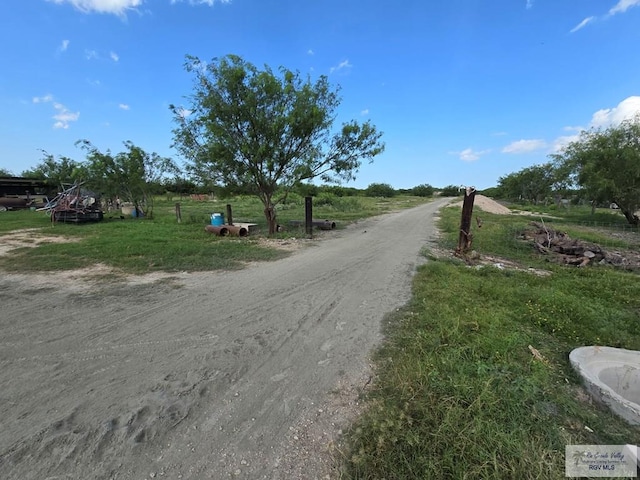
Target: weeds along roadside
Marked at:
458, 392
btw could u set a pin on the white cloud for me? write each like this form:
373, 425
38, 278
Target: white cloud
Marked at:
43, 99
623, 5
561, 142
201, 2
63, 115
365, 112
63, 46
620, 7
310, 52
529, 4
582, 24
341, 66
184, 112
524, 146
499, 134
470, 155
607, 117
625, 110
95, 55
115, 7
123, 106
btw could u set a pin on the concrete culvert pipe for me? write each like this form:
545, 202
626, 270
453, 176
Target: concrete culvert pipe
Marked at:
221, 231
236, 230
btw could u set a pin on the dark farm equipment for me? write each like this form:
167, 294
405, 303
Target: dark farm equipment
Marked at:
74, 205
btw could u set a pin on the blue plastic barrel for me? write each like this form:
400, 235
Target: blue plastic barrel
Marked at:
217, 219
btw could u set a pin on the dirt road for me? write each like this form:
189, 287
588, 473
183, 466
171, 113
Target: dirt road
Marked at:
243, 374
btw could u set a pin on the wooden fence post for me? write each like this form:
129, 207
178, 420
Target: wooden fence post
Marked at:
465, 238
229, 217
308, 215
178, 213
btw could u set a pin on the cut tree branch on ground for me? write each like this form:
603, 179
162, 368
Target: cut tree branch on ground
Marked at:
569, 251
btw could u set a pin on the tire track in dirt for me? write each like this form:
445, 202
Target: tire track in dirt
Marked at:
211, 380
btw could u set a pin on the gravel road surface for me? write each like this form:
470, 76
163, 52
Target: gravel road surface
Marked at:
241, 374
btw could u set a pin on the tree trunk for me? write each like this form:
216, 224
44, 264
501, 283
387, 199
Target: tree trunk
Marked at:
465, 238
148, 200
270, 215
558, 200
631, 217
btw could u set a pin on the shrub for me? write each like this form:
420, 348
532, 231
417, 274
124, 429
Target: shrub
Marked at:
306, 190
324, 199
380, 190
450, 191
424, 190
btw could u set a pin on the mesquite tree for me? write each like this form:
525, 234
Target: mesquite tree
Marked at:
129, 175
606, 165
264, 132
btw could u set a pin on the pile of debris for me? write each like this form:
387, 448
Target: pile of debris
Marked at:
75, 205
571, 251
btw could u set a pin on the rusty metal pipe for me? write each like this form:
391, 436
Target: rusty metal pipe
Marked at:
324, 224
221, 231
11, 202
237, 230
321, 224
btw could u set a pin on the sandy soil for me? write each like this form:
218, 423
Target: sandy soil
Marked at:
29, 237
488, 205
245, 374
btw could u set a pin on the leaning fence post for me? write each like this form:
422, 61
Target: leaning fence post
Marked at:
308, 215
465, 238
178, 213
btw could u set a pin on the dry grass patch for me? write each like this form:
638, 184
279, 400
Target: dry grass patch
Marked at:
30, 238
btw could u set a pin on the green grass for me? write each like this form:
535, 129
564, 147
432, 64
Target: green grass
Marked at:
458, 392
20, 219
144, 245
578, 215
250, 209
499, 234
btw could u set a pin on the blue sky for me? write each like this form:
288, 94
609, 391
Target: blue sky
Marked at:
465, 91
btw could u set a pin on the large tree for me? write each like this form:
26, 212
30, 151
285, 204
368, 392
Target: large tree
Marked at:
265, 132
56, 172
130, 175
532, 184
606, 164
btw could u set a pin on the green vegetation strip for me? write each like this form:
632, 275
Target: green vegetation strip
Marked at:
459, 393
162, 244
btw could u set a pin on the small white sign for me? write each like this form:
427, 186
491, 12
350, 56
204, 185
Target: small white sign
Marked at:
601, 461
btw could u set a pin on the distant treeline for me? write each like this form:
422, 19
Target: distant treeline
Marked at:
187, 187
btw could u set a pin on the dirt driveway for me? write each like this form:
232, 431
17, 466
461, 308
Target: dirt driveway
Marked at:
243, 374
